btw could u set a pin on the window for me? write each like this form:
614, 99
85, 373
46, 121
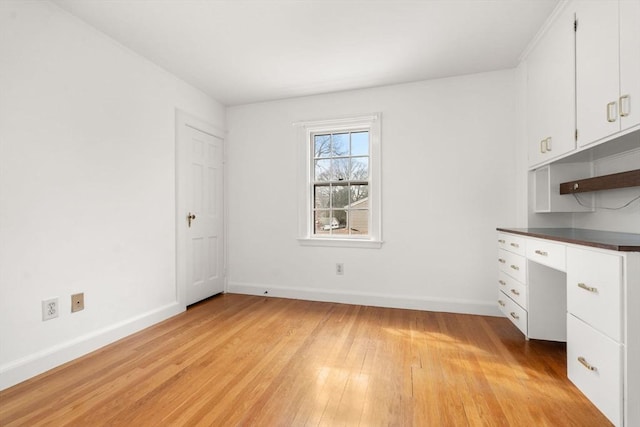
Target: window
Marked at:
340, 182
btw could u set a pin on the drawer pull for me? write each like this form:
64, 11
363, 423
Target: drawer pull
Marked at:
624, 112
588, 288
502, 304
543, 253
515, 245
612, 116
501, 260
513, 291
586, 364
515, 267
501, 241
502, 282
514, 315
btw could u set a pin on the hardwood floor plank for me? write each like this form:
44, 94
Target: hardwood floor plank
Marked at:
233, 384
351, 404
238, 360
330, 378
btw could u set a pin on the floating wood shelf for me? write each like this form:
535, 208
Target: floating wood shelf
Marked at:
605, 182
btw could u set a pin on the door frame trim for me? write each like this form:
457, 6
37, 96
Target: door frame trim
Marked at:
182, 120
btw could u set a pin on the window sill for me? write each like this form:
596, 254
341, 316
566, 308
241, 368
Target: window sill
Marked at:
340, 243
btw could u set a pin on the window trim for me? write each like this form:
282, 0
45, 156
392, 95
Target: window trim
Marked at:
306, 129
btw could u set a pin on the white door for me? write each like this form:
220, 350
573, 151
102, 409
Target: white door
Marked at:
200, 213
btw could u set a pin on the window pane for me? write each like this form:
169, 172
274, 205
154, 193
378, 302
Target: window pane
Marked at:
331, 222
359, 168
323, 170
339, 222
339, 196
360, 144
359, 222
321, 196
322, 145
359, 196
340, 169
322, 222
340, 144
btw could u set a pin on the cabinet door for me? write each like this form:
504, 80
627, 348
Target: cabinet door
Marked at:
551, 93
597, 70
629, 63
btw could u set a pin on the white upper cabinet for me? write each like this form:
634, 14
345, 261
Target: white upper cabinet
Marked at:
551, 92
607, 68
597, 82
629, 63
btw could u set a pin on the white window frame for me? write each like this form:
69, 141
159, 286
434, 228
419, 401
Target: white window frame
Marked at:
306, 129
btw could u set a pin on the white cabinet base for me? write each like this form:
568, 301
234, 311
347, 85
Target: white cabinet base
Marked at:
589, 298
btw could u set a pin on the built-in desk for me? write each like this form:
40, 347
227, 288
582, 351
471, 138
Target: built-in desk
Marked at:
622, 242
583, 287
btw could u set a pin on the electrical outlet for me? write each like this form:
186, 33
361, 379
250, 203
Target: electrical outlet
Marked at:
50, 308
339, 269
77, 302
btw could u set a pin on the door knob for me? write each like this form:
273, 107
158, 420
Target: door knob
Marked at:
191, 217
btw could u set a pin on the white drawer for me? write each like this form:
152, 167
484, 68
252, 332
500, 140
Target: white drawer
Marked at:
547, 253
594, 365
513, 312
594, 290
513, 289
512, 264
512, 243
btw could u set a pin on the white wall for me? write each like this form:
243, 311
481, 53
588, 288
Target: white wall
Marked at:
626, 219
448, 179
86, 186
522, 152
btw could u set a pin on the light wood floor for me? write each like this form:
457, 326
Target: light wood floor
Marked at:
254, 361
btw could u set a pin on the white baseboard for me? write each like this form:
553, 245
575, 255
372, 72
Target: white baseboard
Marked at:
488, 308
34, 364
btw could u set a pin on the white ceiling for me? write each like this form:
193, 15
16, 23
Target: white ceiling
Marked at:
247, 51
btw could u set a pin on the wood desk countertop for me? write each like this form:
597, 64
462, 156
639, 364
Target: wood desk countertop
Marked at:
615, 241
